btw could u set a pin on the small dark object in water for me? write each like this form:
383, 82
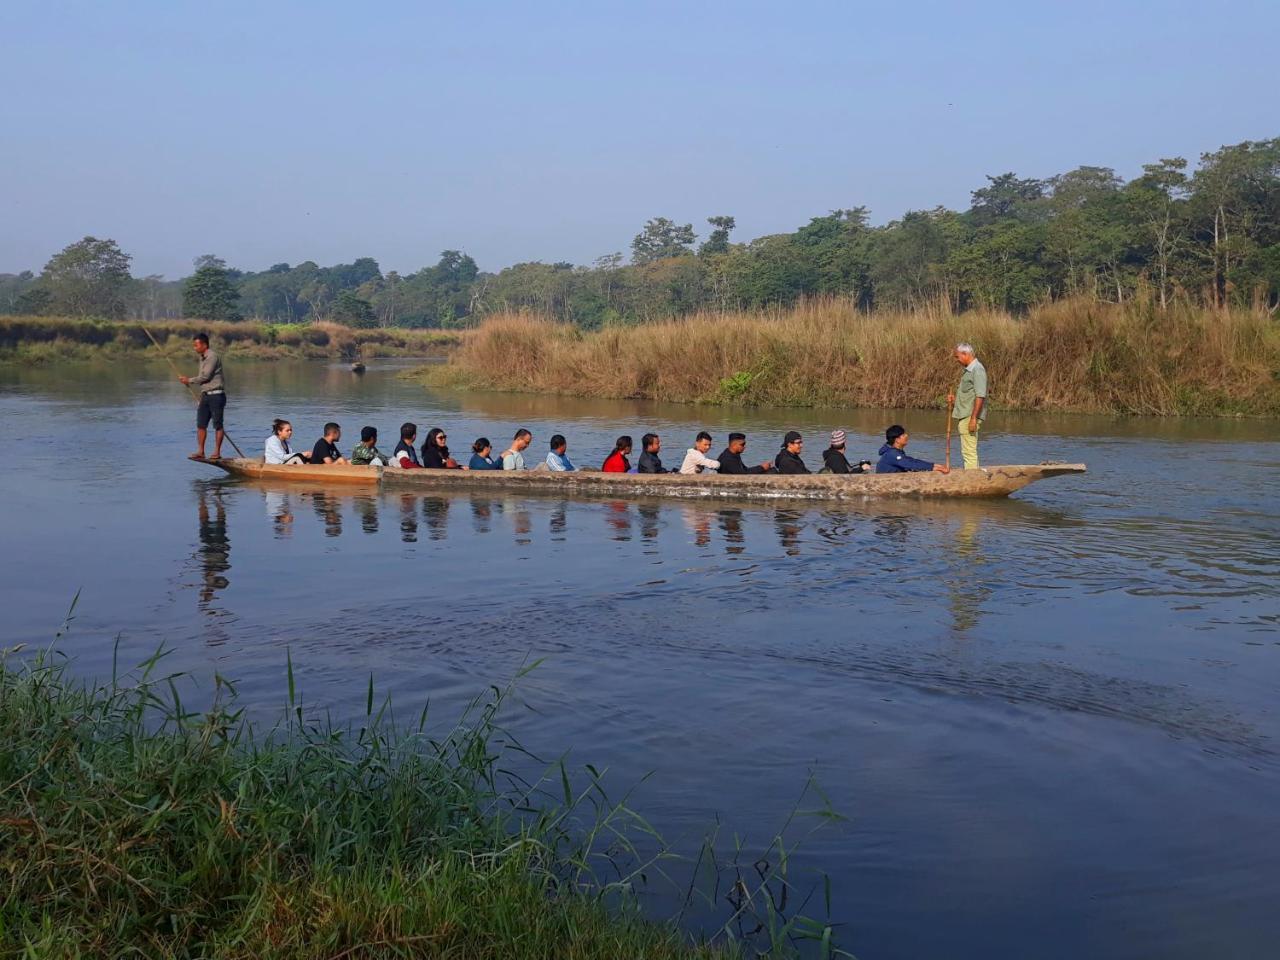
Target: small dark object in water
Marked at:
357, 366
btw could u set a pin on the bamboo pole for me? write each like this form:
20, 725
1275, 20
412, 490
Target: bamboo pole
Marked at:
195, 396
950, 410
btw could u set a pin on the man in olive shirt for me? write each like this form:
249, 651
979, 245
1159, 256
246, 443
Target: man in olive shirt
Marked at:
213, 397
969, 403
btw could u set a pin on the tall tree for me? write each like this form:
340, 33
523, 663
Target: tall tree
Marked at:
718, 240
88, 278
209, 292
662, 238
1158, 201
350, 309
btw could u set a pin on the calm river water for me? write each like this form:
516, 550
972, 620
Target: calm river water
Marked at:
1051, 721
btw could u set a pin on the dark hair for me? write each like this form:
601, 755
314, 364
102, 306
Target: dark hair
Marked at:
408, 431
703, 435
202, 337
480, 444
792, 437
737, 436
430, 443
521, 434
557, 441
622, 443
893, 433
277, 423
331, 426
647, 440
368, 433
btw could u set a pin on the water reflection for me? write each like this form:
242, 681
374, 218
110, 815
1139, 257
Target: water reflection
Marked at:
213, 555
327, 509
969, 584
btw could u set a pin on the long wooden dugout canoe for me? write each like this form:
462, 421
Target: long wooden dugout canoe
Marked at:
996, 481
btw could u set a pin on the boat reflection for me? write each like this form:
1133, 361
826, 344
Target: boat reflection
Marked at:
949, 540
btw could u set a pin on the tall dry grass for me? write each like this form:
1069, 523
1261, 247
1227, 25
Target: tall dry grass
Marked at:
1078, 356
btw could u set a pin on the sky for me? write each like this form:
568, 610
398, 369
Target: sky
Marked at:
275, 132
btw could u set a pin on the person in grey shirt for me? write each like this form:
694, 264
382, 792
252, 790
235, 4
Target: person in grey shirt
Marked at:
213, 397
969, 403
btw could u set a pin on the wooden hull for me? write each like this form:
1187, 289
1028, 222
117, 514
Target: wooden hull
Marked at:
302, 473
998, 481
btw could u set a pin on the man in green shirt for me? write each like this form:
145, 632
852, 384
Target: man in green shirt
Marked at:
969, 403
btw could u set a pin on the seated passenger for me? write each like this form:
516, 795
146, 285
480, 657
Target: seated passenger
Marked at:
366, 452
617, 461
404, 455
513, 456
277, 447
731, 457
696, 459
650, 462
558, 460
894, 459
326, 448
834, 460
435, 454
788, 458
482, 456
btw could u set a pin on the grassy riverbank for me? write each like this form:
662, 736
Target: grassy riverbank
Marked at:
44, 339
132, 826
1078, 356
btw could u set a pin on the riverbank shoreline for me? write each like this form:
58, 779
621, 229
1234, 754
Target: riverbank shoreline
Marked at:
56, 339
133, 823
1069, 357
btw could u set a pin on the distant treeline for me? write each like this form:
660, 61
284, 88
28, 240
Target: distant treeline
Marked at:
1208, 236
28, 339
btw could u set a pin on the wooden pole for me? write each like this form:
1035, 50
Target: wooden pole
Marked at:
195, 396
950, 409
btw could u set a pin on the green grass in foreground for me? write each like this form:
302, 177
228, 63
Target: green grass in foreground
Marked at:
132, 826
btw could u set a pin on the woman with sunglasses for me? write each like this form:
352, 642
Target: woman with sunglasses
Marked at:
435, 452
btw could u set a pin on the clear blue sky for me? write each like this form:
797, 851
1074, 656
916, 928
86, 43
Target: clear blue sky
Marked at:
284, 131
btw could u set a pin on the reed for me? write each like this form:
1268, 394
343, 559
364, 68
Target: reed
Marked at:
133, 825
45, 339
1079, 356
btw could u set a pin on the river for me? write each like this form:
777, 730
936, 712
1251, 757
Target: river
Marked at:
1050, 721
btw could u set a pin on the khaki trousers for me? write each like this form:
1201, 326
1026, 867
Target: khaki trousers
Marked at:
968, 443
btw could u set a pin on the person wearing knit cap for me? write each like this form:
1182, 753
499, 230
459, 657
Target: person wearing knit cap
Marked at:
834, 460
731, 457
788, 458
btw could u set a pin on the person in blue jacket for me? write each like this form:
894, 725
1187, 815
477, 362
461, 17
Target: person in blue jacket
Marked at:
895, 459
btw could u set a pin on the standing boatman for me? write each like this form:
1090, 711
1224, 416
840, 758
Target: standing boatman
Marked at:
213, 396
969, 403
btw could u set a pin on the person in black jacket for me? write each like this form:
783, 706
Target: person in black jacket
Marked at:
650, 462
834, 460
788, 458
435, 453
731, 457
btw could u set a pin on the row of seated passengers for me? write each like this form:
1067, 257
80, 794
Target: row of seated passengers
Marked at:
435, 453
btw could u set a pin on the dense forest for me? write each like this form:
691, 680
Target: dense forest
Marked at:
1208, 235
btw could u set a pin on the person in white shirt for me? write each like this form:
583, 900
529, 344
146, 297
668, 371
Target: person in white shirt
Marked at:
277, 447
696, 459
513, 456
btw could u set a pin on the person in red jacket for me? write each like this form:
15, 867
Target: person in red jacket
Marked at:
617, 461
